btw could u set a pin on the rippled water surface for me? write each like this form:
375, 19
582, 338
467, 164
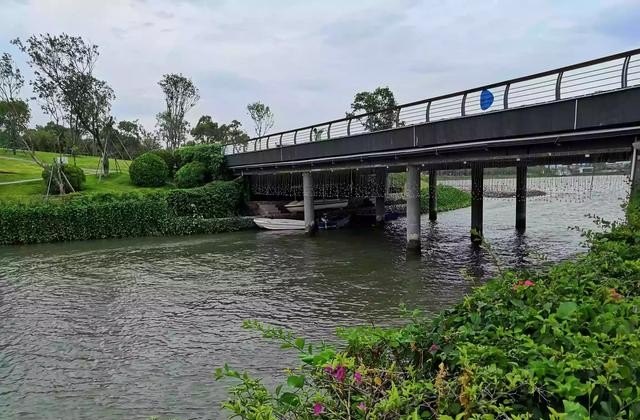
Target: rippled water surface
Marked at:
132, 328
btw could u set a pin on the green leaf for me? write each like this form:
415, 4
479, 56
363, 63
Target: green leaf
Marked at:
299, 343
566, 309
295, 381
289, 398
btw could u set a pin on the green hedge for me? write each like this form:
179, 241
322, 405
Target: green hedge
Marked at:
175, 212
560, 343
216, 199
74, 176
210, 155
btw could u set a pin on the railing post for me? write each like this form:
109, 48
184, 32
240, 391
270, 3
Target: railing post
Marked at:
349, 127
505, 97
268, 138
311, 134
426, 117
398, 117
329, 132
625, 72
462, 104
295, 137
255, 145
558, 84
281, 134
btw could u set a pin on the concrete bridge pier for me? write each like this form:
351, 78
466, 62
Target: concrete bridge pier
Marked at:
433, 191
413, 208
477, 193
521, 198
381, 181
309, 212
635, 170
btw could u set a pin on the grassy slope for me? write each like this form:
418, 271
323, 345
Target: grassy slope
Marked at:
22, 167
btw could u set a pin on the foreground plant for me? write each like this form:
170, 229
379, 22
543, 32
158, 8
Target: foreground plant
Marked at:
564, 344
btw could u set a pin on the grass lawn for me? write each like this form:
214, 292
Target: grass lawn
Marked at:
22, 167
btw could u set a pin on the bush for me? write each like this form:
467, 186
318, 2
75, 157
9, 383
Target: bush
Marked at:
217, 199
169, 158
74, 175
193, 174
177, 212
447, 198
560, 344
210, 155
148, 170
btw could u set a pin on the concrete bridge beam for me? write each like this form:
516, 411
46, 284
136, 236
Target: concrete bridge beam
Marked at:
521, 198
477, 194
309, 212
433, 191
413, 208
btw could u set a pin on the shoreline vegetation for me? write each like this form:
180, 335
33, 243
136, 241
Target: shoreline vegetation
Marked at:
559, 343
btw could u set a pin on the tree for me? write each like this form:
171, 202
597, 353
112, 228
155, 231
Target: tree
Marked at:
209, 131
262, 118
14, 112
64, 82
180, 96
381, 99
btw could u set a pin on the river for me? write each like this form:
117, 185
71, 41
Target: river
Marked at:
135, 327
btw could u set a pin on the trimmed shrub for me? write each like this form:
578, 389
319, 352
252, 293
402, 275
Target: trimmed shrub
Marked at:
193, 174
74, 178
447, 198
210, 155
148, 170
169, 158
217, 199
98, 216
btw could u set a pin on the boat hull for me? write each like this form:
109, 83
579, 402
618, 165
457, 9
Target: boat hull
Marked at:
279, 224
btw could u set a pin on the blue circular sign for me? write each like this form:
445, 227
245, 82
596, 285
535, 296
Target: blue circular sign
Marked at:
486, 99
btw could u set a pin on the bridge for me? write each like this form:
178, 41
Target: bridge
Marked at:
579, 113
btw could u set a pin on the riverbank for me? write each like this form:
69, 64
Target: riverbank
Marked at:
209, 209
526, 345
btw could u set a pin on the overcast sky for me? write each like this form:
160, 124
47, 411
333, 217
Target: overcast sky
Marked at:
306, 59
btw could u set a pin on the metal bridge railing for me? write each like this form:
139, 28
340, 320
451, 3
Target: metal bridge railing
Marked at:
613, 72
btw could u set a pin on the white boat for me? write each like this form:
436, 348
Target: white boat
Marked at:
279, 224
298, 206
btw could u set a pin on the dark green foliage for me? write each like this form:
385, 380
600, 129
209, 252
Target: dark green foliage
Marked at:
74, 178
562, 344
217, 199
447, 198
148, 170
193, 174
169, 158
210, 155
177, 212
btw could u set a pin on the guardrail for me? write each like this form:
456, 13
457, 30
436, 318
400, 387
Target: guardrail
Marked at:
608, 73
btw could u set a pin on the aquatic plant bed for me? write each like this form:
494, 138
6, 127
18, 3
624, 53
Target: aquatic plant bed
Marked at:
563, 343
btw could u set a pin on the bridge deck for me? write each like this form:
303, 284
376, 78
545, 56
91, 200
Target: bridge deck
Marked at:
593, 110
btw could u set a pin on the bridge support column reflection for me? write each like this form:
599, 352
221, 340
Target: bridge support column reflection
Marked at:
309, 212
477, 194
381, 182
433, 191
521, 198
413, 208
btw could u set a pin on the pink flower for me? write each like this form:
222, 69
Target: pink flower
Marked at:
523, 283
328, 369
434, 348
528, 283
318, 409
340, 373
357, 377
362, 406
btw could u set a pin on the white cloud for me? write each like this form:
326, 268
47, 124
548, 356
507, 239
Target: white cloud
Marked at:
307, 59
